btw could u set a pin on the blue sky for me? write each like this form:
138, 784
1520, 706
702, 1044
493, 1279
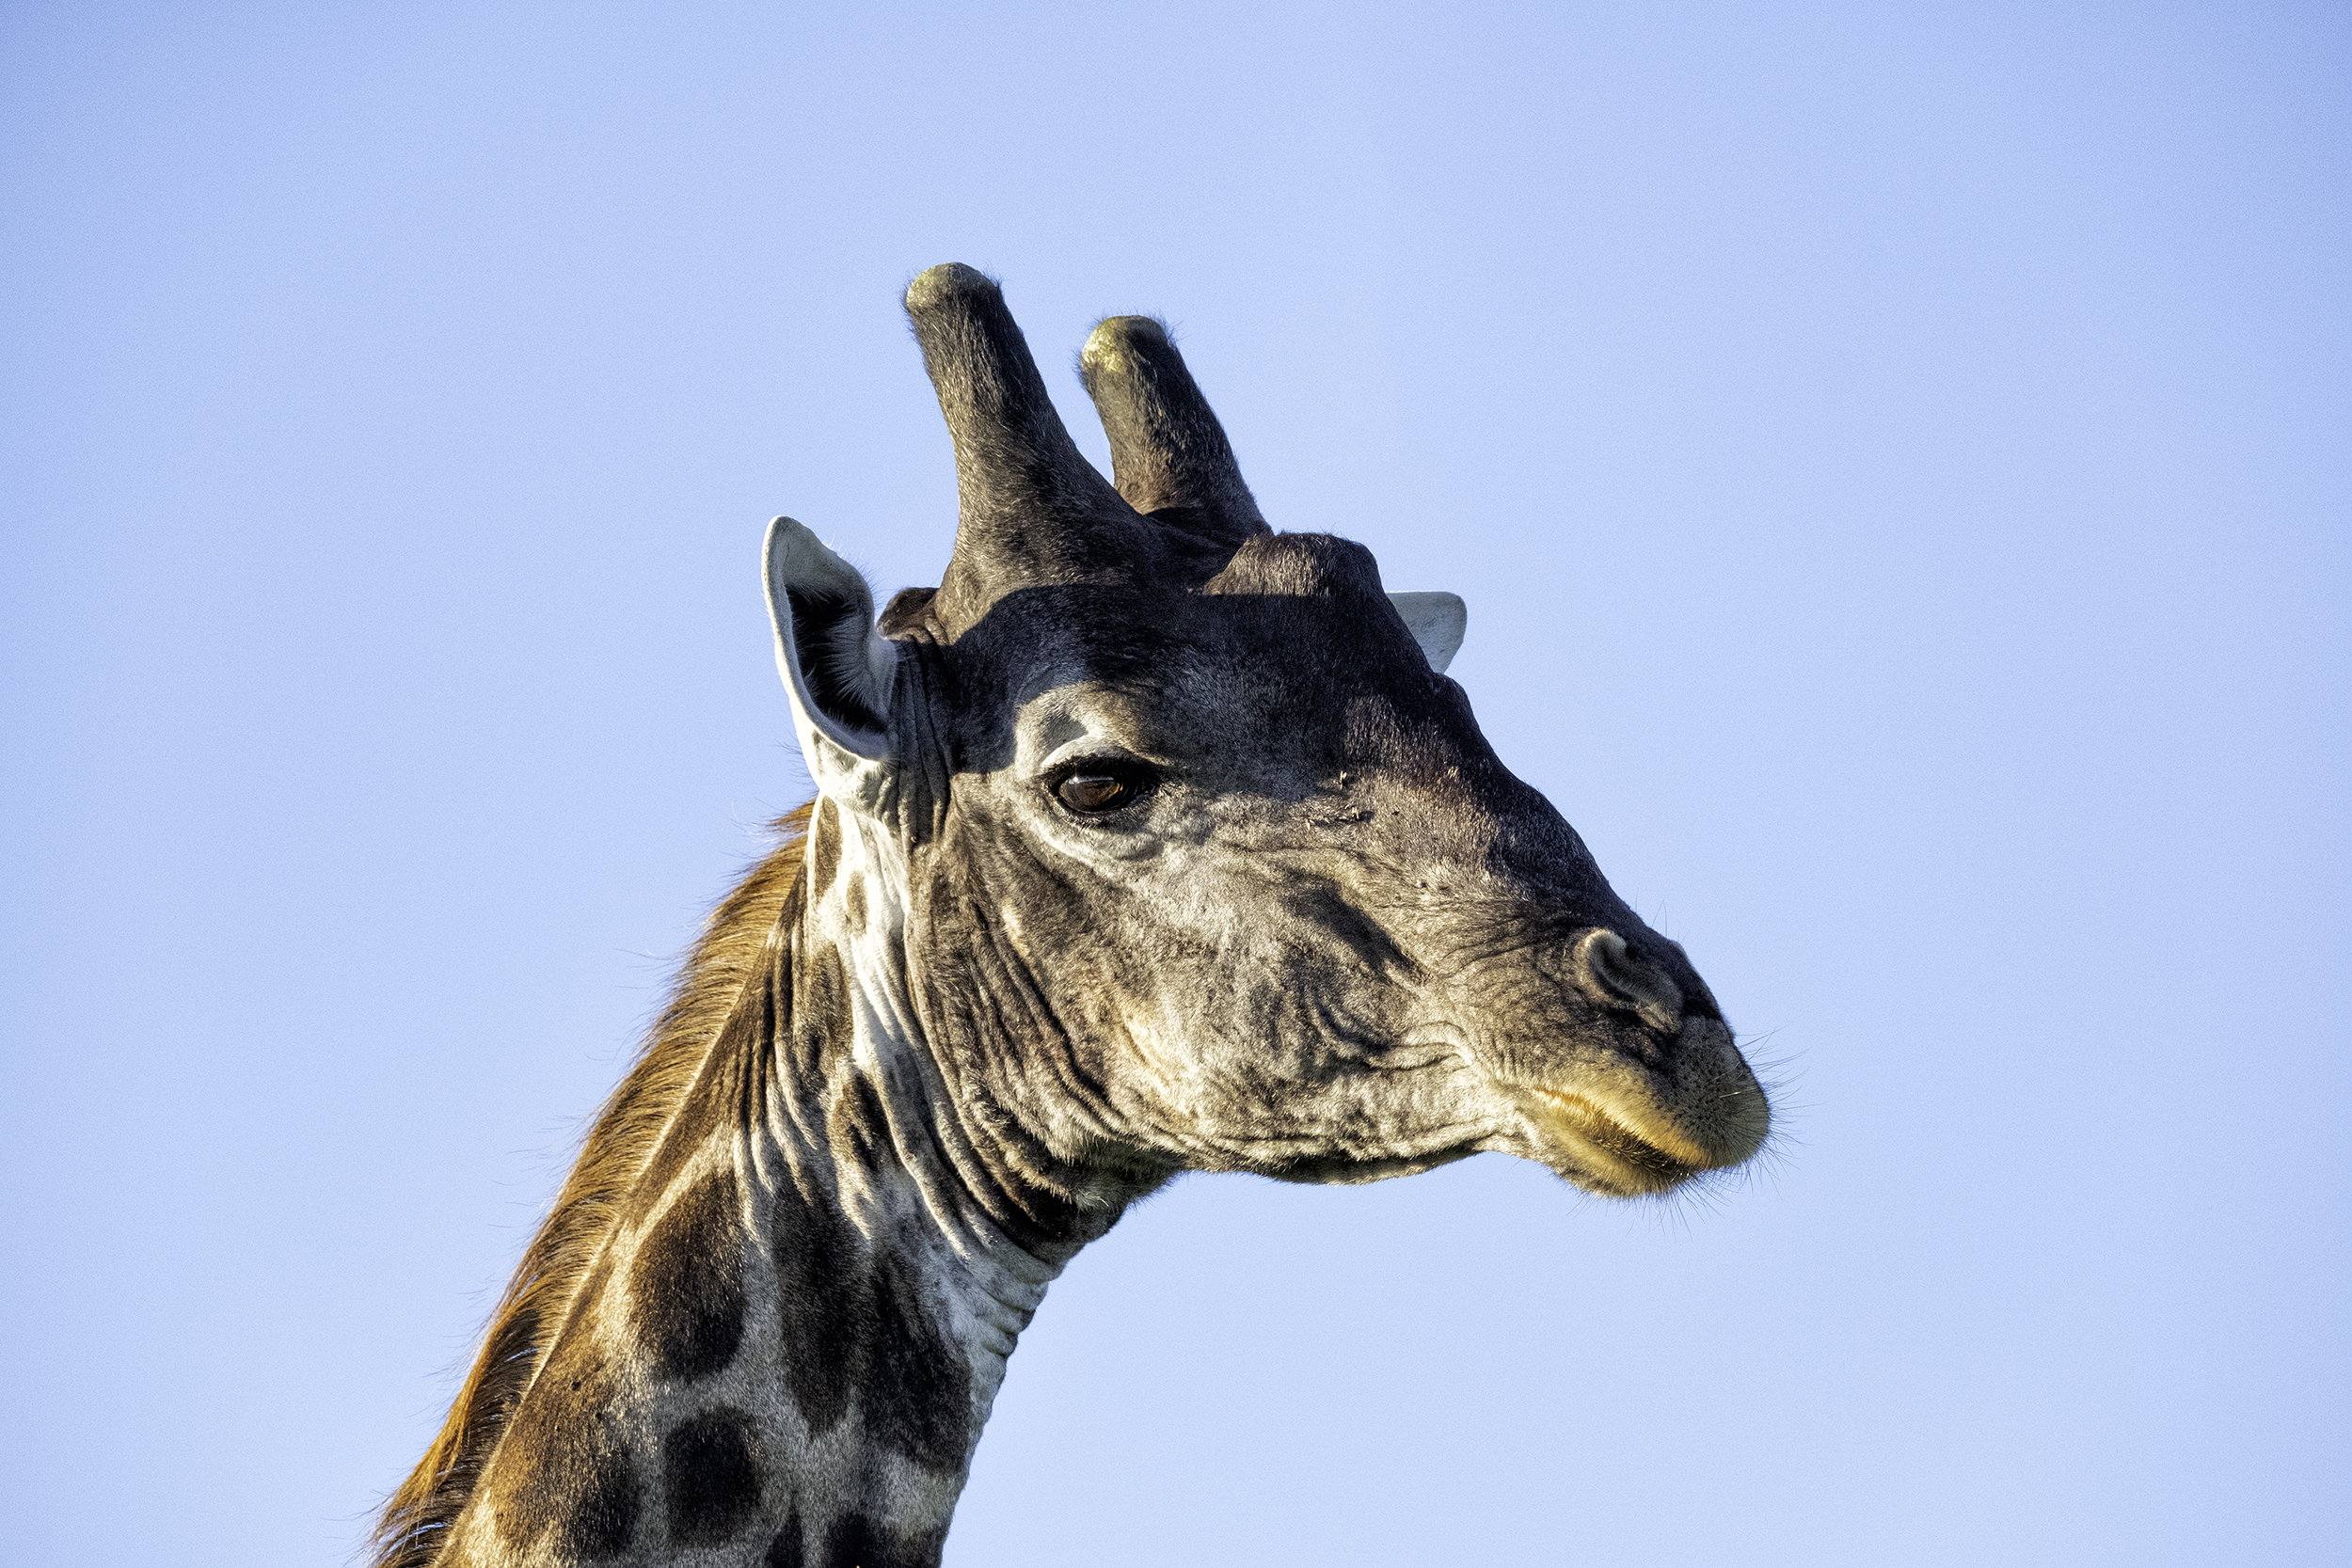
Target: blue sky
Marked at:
1894, 455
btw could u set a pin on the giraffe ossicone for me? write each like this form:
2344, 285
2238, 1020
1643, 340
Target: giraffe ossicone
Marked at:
1151, 840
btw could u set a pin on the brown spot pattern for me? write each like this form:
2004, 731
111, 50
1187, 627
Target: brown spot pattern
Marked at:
856, 1541
824, 1303
687, 1283
700, 1116
825, 849
710, 1476
918, 1398
786, 1550
820, 1014
564, 1475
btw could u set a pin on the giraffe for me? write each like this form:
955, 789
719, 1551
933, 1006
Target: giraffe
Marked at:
1150, 840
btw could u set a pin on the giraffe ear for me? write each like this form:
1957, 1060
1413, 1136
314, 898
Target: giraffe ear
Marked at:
1436, 622
837, 668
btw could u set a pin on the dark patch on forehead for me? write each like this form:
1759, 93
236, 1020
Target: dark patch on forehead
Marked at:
710, 1474
918, 1393
821, 1303
824, 847
563, 1471
856, 1541
687, 1284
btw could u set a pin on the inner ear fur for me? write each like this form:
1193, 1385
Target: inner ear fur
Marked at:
836, 668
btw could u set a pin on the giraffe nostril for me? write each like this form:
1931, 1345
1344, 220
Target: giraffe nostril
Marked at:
1613, 975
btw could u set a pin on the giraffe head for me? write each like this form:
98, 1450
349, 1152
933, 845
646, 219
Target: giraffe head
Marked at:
1187, 852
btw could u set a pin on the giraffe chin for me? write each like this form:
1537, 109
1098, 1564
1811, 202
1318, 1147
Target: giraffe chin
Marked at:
1604, 1154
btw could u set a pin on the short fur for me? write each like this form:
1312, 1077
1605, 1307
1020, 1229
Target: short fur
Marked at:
1151, 840
409, 1532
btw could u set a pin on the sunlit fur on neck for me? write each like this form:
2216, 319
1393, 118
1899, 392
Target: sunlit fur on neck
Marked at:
417, 1519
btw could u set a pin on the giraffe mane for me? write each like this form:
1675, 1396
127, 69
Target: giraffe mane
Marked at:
416, 1518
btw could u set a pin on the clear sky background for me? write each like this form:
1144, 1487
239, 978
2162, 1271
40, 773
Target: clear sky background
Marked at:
1896, 456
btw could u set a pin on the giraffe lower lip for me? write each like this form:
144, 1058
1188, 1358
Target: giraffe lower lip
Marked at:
1611, 1154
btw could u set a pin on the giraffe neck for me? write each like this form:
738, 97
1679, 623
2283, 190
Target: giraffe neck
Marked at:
789, 1345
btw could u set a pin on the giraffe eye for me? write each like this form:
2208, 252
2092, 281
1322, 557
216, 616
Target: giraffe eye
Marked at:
1092, 791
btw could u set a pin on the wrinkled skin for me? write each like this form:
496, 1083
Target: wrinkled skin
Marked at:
1150, 840
1332, 938
1323, 934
